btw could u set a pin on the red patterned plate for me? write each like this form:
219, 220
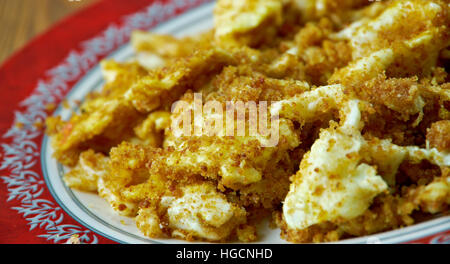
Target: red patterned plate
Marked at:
36, 207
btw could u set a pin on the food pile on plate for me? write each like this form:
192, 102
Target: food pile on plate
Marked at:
331, 118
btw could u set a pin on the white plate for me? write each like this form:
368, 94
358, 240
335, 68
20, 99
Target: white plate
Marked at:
95, 213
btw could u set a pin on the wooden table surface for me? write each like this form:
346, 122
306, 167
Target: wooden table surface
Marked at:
21, 20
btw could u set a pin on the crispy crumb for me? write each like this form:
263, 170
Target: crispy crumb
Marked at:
439, 135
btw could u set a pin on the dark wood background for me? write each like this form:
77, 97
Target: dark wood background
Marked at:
21, 20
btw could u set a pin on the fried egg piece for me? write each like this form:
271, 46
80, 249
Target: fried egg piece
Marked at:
238, 160
90, 167
434, 196
200, 211
422, 17
126, 171
109, 188
162, 87
104, 114
158, 50
333, 182
236, 21
418, 30
151, 130
315, 9
310, 105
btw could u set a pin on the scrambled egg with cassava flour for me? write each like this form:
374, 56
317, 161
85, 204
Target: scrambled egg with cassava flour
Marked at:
362, 94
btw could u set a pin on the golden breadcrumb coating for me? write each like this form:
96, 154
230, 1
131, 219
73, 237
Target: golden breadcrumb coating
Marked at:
438, 135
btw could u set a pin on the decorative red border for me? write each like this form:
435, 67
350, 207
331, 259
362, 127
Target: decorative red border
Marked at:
440, 238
